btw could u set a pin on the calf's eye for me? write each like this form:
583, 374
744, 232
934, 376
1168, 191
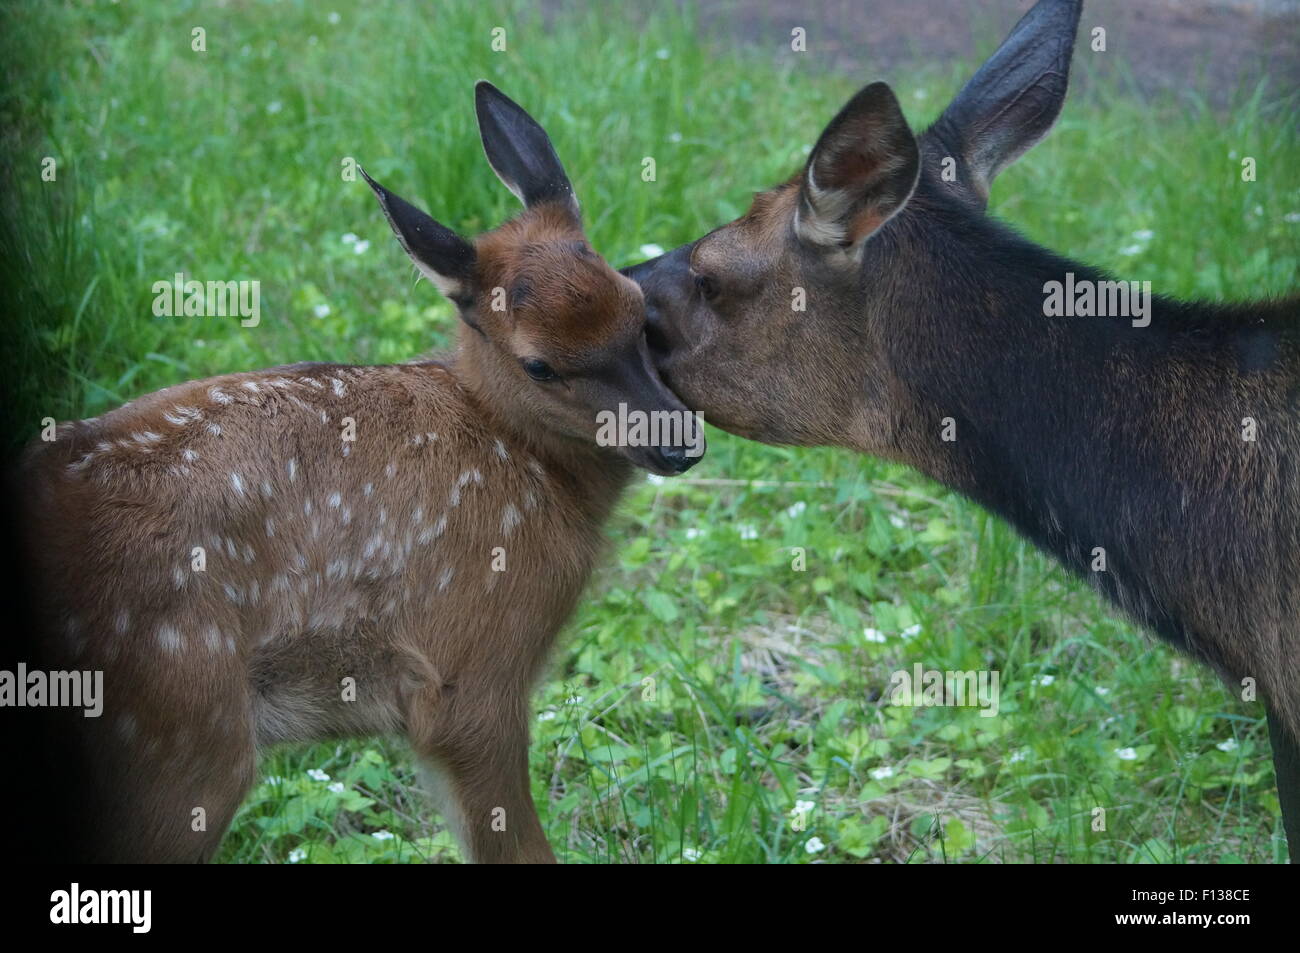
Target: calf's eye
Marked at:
538, 370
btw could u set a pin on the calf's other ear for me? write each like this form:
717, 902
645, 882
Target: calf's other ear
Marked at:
519, 150
442, 256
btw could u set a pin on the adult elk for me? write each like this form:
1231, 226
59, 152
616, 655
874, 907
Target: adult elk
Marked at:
323, 550
1170, 441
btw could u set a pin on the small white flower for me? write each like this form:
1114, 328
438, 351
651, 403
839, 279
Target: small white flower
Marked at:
1126, 754
1131, 250
912, 631
321, 310
316, 774
662, 53
1229, 745
336, 788
1021, 755
691, 854
1144, 234
873, 635
1232, 154
814, 845
796, 510
297, 855
349, 238
333, 18
1291, 217
898, 522
383, 835
1259, 209
1102, 690
1044, 680
361, 247
574, 700
692, 532
273, 779
546, 716
802, 807
274, 106
655, 478
879, 774
747, 532
674, 137
651, 250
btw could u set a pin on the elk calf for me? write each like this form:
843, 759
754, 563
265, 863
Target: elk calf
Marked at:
323, 550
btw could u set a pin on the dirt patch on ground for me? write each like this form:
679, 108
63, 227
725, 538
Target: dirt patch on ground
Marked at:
1209, 48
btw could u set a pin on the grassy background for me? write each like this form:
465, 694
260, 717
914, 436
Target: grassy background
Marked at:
766, 683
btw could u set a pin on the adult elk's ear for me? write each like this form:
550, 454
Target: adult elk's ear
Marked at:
519, 150
862, 171
442, 256
1012, 100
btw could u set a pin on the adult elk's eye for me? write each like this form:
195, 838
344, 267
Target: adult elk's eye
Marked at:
707, 287
538, 370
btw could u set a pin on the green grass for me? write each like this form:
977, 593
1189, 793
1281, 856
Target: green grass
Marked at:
704, 687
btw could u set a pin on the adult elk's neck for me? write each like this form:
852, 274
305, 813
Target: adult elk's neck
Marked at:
1135, 435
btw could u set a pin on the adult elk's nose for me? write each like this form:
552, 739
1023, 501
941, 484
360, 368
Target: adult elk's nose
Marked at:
665, 282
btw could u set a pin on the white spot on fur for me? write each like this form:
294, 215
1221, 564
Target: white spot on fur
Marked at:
189, 455
368, 489
233, 594
337, 385
178, 577
390, 471
212, 638
251, 385
214, 429
509, 519
237, 482
169, 639
292, 467
306, 507
270, 527
219, 395
444, 580
122, 621
501, 450
335, 501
